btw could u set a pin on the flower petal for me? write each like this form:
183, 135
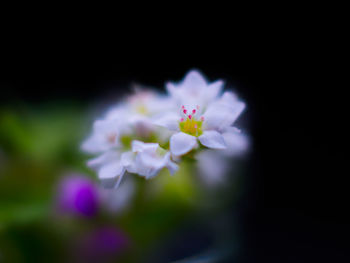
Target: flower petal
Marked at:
103, 158
214, 89
120, 177
212, 139
168, 120
138, 146
149, 163
237, 142
194, 79
172, 89
128, 161
181, 143
91, 145
105, 136
236, 107
117, 200
147, 159
111, 170
172, 166
213, 167
222, 114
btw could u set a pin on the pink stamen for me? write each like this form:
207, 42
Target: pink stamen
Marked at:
185, 111
193, 111
182, 119
190, 116
183, 107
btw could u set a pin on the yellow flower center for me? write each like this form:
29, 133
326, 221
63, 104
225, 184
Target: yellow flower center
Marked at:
142, 109
191, 127
190, 124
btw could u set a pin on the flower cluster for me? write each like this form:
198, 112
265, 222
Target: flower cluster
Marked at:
149, 132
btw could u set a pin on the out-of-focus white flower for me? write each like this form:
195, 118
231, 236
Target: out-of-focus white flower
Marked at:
141, 103
112, 138
194, 90
136, 112
105, 136
213, 165
126, 121
117, 200
237, 142
148, 159
106, 140
148, 103
208, 128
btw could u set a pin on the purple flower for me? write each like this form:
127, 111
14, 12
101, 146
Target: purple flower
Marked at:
78, 195
101, 245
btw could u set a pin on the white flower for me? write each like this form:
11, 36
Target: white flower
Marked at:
148, 159
207, 128
105, 136
137, 111
194, 90
129, 136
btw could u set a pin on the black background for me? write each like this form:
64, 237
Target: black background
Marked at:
296, 198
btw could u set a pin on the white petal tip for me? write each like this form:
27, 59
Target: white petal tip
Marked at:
212, 139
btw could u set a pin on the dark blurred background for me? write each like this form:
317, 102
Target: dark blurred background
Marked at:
295, 202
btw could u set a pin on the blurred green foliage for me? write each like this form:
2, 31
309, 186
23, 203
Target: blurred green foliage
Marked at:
35, 147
